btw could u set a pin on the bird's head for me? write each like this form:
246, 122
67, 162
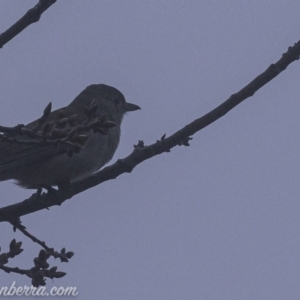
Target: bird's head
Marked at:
110, 101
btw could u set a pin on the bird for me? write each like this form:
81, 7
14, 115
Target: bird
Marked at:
37, 165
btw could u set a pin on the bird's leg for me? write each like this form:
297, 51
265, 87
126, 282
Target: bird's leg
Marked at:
38, 194
62, 185
49, 188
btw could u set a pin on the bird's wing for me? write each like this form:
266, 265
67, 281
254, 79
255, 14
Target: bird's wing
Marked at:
13, 155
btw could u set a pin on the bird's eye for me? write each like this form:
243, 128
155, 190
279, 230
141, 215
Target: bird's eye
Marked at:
117, 101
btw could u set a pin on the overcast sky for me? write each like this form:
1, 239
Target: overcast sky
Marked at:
217, 220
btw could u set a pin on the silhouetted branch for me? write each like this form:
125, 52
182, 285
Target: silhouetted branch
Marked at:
38, 273
32, 16
62, 255
142, 153
41, 269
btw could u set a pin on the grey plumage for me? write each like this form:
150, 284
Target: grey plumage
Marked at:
35, 166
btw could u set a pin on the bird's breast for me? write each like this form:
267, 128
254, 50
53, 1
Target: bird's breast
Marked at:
97, 151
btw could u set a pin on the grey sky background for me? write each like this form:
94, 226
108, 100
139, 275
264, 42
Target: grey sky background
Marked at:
216, 220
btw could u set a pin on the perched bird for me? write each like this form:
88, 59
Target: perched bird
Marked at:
42, 165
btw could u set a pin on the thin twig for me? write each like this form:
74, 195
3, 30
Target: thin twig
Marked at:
51, 251
32, 16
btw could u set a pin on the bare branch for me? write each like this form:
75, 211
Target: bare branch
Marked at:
32, 16
41, 268
142, 153
62, 255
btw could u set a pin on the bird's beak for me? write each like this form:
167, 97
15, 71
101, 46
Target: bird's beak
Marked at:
131, 107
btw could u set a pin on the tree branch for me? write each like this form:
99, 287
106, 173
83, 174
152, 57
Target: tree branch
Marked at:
142, 153
33, 15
